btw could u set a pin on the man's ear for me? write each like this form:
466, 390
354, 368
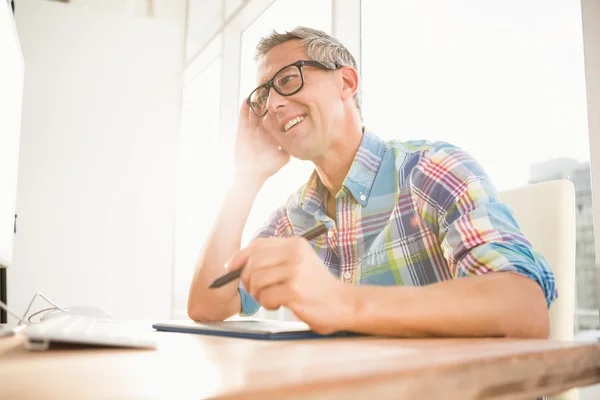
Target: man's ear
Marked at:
349, 82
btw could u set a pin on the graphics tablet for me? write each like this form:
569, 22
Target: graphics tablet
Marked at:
247, 328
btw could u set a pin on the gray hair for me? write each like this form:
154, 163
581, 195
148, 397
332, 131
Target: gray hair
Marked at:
319, 47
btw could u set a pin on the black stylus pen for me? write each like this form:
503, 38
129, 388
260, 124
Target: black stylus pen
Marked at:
230, 276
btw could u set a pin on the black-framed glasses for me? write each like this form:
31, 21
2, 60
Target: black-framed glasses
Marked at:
287, 81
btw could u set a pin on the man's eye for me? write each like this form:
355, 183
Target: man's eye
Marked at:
286, 79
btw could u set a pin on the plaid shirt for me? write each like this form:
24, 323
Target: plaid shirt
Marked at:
409, 213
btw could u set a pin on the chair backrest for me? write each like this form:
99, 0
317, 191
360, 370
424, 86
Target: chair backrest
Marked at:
545, 213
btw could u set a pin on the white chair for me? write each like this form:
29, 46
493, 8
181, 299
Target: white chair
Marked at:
545, 213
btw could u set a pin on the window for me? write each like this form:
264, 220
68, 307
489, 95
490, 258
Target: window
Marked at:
231, 6
479, 72
204, 19
197, 198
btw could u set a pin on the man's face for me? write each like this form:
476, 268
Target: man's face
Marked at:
316, 106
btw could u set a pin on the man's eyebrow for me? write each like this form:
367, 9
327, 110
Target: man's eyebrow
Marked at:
271, 74
264, 80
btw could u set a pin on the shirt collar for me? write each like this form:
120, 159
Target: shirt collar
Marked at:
363, 170
359, 180
313, 194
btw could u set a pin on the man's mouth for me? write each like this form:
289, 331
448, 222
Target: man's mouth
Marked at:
292, 122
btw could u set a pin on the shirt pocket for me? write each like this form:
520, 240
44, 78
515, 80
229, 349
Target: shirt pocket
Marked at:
404, 260
395, 253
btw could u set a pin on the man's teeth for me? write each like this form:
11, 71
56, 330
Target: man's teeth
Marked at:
292, 122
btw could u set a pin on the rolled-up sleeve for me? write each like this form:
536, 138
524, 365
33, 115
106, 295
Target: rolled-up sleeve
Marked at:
478, 233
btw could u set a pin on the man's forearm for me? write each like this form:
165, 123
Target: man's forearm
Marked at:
223, 241
497, 304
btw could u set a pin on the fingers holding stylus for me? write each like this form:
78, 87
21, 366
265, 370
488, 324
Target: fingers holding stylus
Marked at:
288, 272
267, 250
262, 254
271, 262
261, 281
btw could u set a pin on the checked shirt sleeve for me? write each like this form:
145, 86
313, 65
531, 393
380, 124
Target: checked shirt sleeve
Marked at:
478, 233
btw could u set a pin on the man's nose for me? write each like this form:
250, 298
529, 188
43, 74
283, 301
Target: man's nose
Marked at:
275, 101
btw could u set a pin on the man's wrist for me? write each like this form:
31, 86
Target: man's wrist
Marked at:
248, 181
350, 306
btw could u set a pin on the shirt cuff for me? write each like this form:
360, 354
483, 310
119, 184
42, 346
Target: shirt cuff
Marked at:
249, 305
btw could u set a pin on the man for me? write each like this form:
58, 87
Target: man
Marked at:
417, 243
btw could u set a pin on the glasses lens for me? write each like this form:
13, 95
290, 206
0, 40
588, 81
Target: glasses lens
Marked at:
258, 100
289, 80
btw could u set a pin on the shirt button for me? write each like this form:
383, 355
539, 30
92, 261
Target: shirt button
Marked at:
330, 233
347, 275
362, 197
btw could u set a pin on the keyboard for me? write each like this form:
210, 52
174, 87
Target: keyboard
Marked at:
88, 331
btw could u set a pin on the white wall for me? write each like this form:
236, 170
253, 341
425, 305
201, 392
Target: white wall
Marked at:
98, 145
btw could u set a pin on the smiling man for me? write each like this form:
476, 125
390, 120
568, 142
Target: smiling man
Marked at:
418, 242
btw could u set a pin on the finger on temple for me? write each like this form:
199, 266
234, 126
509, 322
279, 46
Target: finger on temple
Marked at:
253, 119
243, 116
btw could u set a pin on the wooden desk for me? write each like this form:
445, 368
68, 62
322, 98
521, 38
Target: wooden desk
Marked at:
195, 366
